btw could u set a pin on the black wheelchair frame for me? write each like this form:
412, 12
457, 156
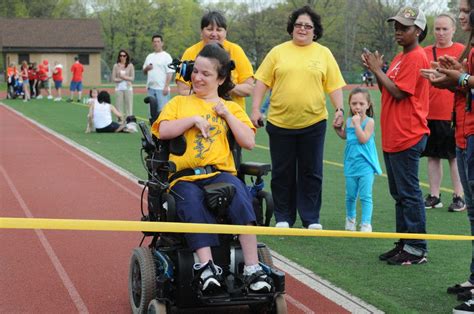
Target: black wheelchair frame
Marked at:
161, 274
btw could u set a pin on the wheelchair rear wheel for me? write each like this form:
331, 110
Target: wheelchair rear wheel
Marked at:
141, 280
265, 256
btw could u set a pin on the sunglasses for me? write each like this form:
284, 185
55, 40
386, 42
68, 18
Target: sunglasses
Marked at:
123, 55
307, 27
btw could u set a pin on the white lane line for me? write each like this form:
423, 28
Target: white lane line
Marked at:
298, 304
67, 282
337, 295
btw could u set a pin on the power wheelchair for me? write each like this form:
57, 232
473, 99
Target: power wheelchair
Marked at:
161, 273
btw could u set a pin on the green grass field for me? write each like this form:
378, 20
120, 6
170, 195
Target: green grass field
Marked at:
349, 263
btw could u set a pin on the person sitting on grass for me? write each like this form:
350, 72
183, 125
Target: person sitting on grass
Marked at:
100, 113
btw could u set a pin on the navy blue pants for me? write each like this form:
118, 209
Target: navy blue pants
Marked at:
193, 208
297, 172
402, 172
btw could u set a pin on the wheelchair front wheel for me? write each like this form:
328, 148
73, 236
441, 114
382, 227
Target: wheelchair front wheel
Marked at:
141, 280
280, 306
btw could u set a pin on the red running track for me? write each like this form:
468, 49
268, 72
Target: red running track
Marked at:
53, 271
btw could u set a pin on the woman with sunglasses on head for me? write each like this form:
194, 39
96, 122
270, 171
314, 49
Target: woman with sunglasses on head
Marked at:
123, 74
405, 105
300, 72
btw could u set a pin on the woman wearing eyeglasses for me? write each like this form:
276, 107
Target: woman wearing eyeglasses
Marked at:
123, 74
300, 72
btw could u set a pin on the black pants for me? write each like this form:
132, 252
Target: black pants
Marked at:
297, 171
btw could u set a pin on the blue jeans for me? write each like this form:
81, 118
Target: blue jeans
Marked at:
160, 98
402, 172
462, 161
360, 186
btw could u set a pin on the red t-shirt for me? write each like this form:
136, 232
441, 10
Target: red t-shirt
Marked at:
464, 120
31, 74
77, 70
58, 76
403, 122
442, 100
43, 72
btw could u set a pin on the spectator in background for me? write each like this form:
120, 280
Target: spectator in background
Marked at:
368, 78
296, 121
12, 77
26, 84
441, 142
32, 79
158, 73
43, 76
58, 79
214, 30
100, 112
123, 74
77, 69
385, 67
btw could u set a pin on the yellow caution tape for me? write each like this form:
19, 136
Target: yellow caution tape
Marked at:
120, 225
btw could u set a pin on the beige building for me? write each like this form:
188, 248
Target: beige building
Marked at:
35, 40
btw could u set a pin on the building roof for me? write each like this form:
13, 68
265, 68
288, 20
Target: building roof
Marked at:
50, 35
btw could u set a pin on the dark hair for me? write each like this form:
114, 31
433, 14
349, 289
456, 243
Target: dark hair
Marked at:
470, 41
365, 91
127, 62
103, 97
224, 67
315, 18
213, 17
156, 36
422, 34
76, 58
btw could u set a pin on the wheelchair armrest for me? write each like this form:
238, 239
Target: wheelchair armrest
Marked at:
156, 165
257, 169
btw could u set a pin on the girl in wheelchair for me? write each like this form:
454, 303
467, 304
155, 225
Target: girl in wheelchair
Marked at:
204, 119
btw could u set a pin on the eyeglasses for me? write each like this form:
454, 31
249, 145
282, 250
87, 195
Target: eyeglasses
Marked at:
123, 55
307, 27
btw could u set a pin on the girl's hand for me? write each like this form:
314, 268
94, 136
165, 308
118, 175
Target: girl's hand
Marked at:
203, 125
256, 118
221, 110
427, 73
450, 63
356, 120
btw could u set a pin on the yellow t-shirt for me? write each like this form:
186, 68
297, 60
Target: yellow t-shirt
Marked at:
299, 77
243, 68
201, 151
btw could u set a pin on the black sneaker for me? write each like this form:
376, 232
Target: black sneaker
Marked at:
433, 202
458, 204
259, 282
467, 307
405, 258
465, 295
69, 100
457, 288
397, 249
208, 278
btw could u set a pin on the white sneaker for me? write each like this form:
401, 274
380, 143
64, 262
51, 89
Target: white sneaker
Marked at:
365, 228
315, 227
350, 224
258, 279
282, 224
39, 97
50, 97
57, 99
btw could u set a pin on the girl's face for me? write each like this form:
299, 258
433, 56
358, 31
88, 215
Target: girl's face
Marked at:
95, 93
359, 104
464, 10
303, 30
213, 34
205, 77
443, 31
406, 35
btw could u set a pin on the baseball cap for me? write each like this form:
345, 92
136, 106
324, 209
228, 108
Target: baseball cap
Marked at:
410, 16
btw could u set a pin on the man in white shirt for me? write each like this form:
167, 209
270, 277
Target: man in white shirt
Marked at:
158, 73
